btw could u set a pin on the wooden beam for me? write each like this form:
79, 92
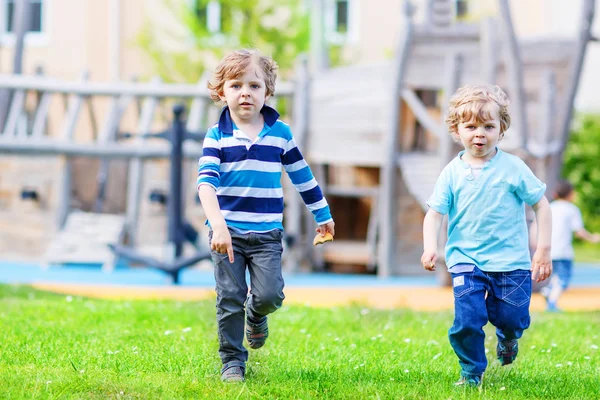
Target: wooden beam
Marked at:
454, 64
489, 50
564, 125
135, 89
136, 169
388, 174
420, 111
41, 116
514, 66
67, 134
547, 118
294, 210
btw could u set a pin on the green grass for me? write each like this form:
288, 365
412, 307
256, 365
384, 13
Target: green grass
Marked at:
55, 346
587, 252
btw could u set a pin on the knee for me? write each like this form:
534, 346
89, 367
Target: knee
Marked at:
267, 302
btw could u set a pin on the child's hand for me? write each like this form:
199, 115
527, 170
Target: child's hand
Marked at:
541, 265
328, 227
221, 242
428, 259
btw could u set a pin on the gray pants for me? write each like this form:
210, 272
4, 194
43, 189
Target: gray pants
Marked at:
261, 253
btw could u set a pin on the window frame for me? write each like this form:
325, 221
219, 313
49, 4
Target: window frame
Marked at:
332, 35
36, 38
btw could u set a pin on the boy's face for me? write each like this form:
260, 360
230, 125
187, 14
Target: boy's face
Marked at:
480, 137
245, 94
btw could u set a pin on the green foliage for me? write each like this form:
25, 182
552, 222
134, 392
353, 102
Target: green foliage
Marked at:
278, 28
582, 168
70, 347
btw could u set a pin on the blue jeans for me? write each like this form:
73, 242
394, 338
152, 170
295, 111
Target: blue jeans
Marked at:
261, 254
563, 270
501, 298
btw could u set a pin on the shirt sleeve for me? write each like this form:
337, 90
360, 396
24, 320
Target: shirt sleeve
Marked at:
576, 220
441, 199
210, 162
529, 188
305, 183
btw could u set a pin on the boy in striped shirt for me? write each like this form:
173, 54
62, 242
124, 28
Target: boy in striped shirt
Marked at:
239, 184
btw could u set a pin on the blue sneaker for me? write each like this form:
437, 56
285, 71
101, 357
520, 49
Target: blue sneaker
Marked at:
233, 374
470, 381
507, 351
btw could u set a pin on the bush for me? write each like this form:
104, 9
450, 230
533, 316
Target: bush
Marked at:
582, 168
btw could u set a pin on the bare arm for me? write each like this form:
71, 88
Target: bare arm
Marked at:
541, 265
431, 233
590, 237
221, 240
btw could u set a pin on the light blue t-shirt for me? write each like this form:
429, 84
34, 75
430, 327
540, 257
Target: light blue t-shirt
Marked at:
486, 214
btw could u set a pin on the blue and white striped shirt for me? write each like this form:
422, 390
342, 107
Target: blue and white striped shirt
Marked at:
247, 175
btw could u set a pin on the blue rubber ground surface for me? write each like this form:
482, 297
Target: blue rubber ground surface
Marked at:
585, 275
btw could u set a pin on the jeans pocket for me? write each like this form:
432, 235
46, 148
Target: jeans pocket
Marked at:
462, 283
516, 287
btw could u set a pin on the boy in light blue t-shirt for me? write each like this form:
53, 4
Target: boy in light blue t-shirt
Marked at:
484, 191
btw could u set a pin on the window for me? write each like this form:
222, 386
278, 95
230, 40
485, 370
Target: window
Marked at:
210, 16
37, 33
35, 16
341, 21
462, 8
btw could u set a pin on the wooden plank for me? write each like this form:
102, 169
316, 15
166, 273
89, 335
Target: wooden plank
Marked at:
388, 177
346, 252
108, 134
196, 120
14, 115
454, 64
489, 50
352, 191
293, 211
67, 133
514, 66
41, 116
136, 169
421, 113
160, 90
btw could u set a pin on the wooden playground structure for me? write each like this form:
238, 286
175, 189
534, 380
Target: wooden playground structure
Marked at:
373, 134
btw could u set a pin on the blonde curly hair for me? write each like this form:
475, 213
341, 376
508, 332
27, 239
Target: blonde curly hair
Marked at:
235, 64
469, 102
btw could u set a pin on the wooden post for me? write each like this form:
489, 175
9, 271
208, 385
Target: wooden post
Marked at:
446, 149
514, 66
108, 135
454, 62
489, 50
585, 26
318, 44
67, 133
20, 22
136, 170
388, 175
547, 125
294, 209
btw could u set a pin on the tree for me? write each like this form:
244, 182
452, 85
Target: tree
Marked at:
581, 167
279, 28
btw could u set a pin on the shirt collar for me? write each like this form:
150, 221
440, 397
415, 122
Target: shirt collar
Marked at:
226, 124
487, 163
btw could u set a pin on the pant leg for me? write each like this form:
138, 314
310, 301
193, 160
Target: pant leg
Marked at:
231, 289
467, 337
266, 281
508, 303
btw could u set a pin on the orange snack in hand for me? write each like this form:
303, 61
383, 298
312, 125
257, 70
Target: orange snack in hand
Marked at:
319, 239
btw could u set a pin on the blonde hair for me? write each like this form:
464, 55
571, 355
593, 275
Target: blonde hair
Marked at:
235, 64
468, 104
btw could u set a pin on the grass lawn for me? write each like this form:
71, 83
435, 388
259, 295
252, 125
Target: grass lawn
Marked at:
587, 252
56, 346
